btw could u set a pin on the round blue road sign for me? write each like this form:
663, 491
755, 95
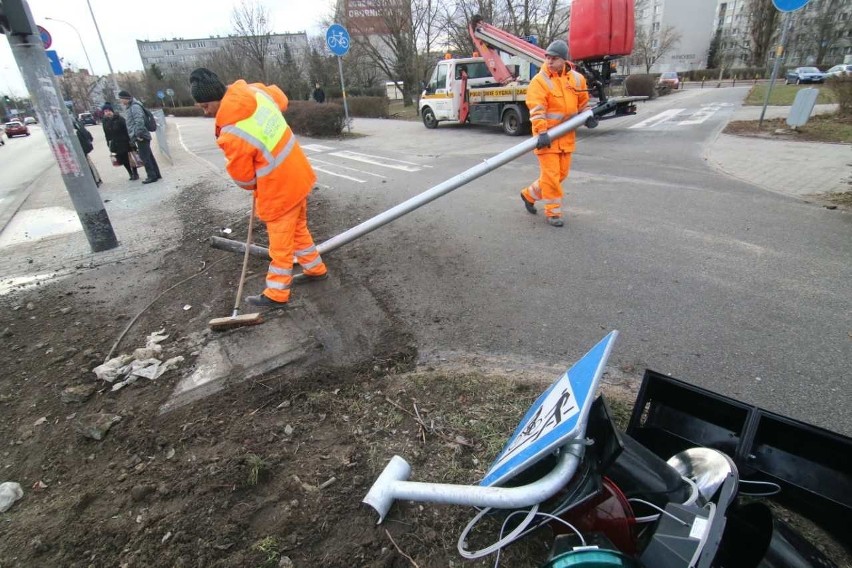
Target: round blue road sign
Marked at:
45, 37
337, 39
789, 5
161, 95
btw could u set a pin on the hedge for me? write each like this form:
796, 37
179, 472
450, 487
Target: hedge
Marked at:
640, 85
314, 119
184, 111
366, 107
842, 88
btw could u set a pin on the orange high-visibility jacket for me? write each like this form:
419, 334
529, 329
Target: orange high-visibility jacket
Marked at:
553, 98
260, 148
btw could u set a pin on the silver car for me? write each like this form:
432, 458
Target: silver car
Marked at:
839, 70
801, 75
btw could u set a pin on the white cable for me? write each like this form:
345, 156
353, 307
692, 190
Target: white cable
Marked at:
663, 511
775, 486
500, 543
693, 496
538, 514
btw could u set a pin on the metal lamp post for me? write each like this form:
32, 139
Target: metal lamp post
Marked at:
73, 27
97, 29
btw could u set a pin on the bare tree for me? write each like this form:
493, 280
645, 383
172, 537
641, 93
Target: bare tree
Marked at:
388, 38
650, 46
817, 29
253, 29
763, 27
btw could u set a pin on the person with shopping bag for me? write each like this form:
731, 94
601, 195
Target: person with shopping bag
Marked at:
115, 132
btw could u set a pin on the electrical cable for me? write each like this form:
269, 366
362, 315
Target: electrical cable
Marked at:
693, 496
511, 537
775, 486
538, 514
163, 293
663, 511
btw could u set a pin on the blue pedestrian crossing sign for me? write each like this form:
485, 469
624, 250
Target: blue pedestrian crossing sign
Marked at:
337, 39
556, 418
789, 5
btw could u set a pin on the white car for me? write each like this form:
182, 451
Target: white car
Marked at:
30, 120
839, 70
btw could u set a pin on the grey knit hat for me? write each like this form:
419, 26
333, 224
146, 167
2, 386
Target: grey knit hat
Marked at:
205, 86
558, 48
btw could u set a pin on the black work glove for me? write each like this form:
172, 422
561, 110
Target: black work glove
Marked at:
592, 122
543, 141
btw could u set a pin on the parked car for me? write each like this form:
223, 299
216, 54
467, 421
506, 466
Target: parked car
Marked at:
801, 75
86, 118
30, 120
839, 70
16, 128
670, 79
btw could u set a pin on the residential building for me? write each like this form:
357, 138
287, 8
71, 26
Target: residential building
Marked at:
178, 53
691, 19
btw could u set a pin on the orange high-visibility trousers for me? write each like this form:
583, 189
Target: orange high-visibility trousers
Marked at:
554, 167
289, 237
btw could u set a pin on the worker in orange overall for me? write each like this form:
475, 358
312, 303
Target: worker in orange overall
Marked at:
555, 94
262, 156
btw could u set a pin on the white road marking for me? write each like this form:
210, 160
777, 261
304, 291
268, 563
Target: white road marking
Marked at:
706, 112
340, 175
317, 148
316, 161
380, 161
659, 118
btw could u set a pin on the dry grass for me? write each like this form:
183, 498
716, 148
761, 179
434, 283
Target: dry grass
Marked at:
783, 95
829, 128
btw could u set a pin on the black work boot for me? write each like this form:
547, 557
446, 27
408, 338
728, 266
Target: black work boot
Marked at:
530, 207
555, 221
261, 301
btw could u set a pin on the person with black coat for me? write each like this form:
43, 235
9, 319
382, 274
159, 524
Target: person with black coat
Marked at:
85, 138
115, 131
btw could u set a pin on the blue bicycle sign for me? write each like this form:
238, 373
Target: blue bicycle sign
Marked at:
789, 5
337, 39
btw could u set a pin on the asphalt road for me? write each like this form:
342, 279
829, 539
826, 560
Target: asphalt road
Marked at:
22, 160
711, 280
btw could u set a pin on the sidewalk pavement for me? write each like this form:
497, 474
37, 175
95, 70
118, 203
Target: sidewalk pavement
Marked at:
792, 168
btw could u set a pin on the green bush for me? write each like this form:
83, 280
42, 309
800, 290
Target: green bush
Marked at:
366, 107
841, 86
640, 85
184, 111
313, 119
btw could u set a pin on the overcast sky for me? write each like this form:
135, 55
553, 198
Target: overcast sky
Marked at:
122, 23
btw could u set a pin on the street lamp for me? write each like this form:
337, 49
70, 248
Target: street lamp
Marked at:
91, 69
97, 29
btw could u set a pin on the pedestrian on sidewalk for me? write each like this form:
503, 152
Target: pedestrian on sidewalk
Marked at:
319, 94
118, 141
263, 156
86, 143
554, 95
140, 135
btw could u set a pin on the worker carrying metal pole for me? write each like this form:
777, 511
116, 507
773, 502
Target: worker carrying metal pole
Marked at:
20, 29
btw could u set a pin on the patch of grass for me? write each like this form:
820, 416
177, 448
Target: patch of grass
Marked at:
783, 95
269, 549
257, 466
400, 112
829, 128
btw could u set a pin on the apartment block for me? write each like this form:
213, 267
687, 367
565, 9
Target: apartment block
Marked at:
178, 54
692, 19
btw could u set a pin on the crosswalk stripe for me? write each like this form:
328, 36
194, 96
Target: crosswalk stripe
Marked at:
379, 161
317, 161
317, 148
340, 175
659, 118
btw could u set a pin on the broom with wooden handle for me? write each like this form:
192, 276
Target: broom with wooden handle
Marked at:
237, 320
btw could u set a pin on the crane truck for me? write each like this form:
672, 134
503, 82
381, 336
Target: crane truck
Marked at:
483, 89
